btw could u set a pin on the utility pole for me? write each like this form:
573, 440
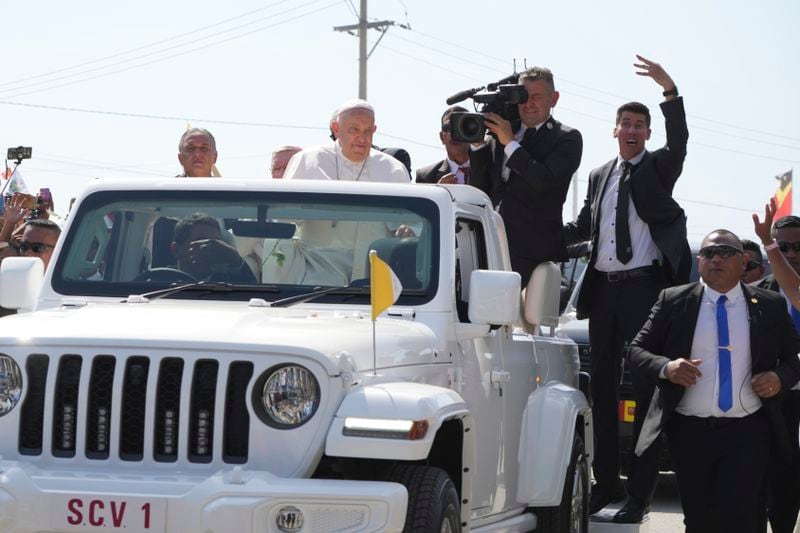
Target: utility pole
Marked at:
363, 55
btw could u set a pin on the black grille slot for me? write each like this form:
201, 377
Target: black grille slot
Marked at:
98, 417
201, 413
31, 424
236, 427
65, 406
134, 398
167, 417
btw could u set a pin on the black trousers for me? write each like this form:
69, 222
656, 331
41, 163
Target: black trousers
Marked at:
618, 311
720, 465
783, 480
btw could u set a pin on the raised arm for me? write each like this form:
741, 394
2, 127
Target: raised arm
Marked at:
785, 275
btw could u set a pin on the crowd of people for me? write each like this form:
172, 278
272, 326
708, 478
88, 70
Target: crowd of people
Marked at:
712, 362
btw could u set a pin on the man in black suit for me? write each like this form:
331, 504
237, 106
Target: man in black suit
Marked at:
783, 480
639, 246
455, 167
721, 353
527, 173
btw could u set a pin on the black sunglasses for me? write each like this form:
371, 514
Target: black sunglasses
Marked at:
723, 250
786, 246
752, 265
35, 247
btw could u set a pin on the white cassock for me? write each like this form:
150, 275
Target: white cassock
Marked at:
326, 162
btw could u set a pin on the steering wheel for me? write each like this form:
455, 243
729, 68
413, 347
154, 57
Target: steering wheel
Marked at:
163, 274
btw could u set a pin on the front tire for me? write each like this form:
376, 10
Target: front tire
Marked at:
572, 515
433, 505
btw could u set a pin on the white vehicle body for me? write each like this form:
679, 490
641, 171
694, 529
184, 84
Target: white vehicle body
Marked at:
142, 414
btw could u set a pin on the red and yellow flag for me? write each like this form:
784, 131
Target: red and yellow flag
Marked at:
783, 196
384, 287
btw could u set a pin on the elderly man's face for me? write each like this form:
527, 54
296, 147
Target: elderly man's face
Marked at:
279, 162
197, 156
38, 242
354, 130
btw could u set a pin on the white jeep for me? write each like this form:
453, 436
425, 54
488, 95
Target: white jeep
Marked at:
137, 398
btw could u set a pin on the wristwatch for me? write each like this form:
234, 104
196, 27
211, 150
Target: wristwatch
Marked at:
671, 92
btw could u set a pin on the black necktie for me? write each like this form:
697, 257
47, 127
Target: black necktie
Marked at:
623, 234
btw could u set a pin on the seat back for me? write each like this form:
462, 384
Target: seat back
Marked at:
401, 256
542, 295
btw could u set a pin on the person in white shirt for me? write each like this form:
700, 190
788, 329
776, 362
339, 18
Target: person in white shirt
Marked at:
351, 156
722, 353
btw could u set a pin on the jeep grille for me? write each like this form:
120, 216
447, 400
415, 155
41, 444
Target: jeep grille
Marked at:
120, 414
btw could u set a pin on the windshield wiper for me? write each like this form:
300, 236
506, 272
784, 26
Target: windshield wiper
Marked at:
357, 286
207, 286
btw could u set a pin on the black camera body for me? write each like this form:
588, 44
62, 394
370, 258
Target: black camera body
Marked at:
499, 98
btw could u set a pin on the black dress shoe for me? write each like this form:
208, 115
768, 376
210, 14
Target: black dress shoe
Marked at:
631, 513
600, 498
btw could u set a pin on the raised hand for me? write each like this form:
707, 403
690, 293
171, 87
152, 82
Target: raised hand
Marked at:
654, 70
764, 229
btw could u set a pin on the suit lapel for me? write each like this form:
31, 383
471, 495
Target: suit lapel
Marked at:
605, 172
444, 168
753, 316
691, 311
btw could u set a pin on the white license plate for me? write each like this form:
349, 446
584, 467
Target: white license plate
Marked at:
86, 512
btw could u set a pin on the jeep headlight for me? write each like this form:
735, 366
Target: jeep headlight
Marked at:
10, 384
288, 395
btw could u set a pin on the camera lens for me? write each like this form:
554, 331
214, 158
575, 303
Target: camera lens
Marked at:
467, 127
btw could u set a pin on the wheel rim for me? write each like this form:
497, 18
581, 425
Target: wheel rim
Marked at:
448, 517
578, 497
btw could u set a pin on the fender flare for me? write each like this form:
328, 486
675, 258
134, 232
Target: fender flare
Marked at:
394, 401
548, 425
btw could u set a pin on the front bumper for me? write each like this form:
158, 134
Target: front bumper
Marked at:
34, 500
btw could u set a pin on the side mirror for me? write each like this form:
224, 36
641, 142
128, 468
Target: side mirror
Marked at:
20, 282
494, 297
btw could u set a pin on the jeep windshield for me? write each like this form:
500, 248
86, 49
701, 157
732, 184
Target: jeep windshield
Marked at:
262, 244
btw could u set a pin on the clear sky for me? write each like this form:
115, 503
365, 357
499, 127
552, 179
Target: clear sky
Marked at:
262, 74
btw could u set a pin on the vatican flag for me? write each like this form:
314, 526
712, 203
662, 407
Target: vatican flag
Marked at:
384, 288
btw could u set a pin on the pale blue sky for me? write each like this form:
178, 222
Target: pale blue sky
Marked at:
274, 71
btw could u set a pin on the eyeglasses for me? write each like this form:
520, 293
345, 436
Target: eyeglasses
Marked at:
752, 265
786, 246
725, 251
35, 247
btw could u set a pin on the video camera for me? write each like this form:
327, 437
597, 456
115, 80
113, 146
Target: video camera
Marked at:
500, 97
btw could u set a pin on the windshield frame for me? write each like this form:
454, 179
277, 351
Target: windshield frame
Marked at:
89, 206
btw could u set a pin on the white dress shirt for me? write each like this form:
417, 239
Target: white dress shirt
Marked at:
457, 170
701, 399
644, 249
327, 162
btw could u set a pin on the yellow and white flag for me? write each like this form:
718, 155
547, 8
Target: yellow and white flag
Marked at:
384, 287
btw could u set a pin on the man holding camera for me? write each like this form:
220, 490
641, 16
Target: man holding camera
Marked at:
639, 247
455, 168
527, 173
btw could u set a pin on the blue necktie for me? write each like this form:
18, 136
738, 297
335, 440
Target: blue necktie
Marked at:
796, 318
725, 380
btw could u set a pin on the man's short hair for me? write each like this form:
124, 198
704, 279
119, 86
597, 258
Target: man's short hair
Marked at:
634, 107
197, 131
753, 250
44, 224
735, 238
789, 221
537, 74
449, 111
184, 226
286, 148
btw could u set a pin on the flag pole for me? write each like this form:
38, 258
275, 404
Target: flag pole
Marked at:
374, 351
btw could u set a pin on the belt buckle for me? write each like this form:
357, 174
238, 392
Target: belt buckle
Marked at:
613, 277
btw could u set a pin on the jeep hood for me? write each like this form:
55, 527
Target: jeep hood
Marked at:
320, 333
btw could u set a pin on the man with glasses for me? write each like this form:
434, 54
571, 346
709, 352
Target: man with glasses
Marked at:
721, 352
39, 239
455, 168
783, 482
754, 269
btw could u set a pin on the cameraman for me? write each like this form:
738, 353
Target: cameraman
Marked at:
527, 173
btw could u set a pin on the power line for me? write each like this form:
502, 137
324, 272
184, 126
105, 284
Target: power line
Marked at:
142, 47
269, 26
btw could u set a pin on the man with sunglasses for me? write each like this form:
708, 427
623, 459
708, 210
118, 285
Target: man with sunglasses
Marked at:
639, 246
721, 353
455, 168
783, 481
754, 269
39, 239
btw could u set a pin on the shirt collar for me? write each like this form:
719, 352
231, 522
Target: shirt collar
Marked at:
733, 295
633, 161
